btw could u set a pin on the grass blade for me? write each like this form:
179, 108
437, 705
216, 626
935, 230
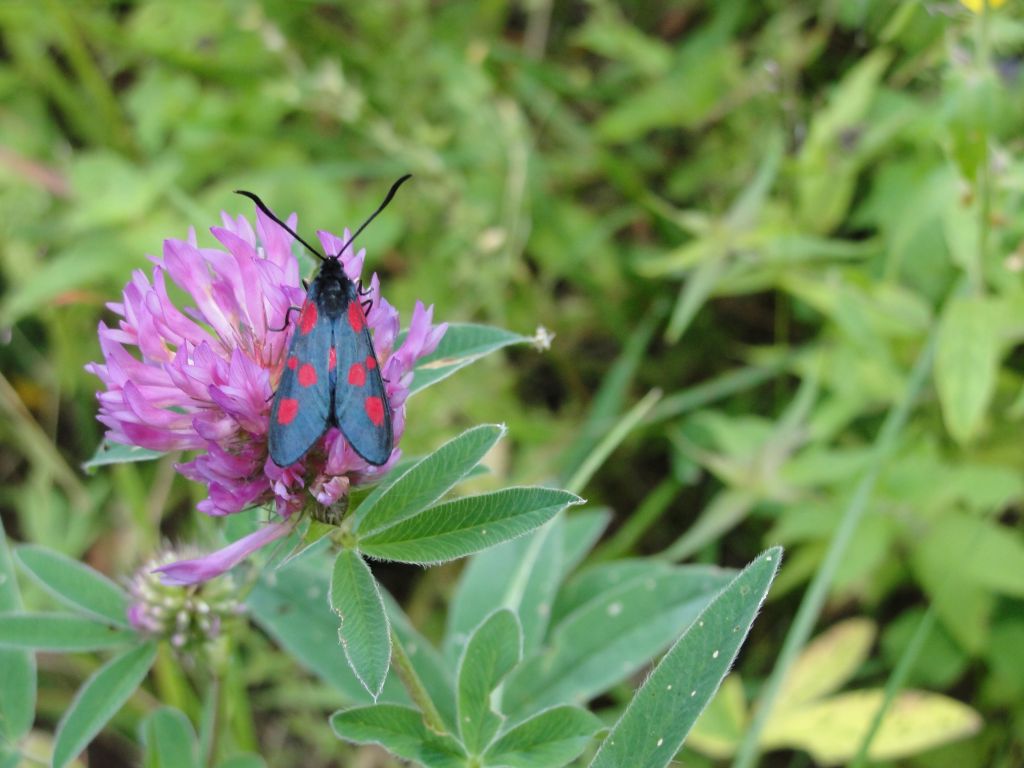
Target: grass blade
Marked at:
813, 600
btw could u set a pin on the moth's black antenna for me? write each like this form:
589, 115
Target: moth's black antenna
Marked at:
262, 206
381, 207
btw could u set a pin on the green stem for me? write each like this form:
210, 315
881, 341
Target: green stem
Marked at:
718, 388
898, 679
984, 183
817, 592
39, 448
209, 728
171, 683
235, 708
611, 441
895, 683
417, 691
637, 524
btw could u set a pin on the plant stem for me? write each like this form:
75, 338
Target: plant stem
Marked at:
895, 683
817, 592
976, 267
611, 441
38, 448
710, 391
636, 525
210, 724
417, 692
172, 685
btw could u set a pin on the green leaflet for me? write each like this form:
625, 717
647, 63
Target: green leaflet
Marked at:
463, 343
18, 678
98, 700
291, 605
611, 637
470, 524
966, 364
60, 632
115, 453
399, 730
355, 598
663, 711
491, 653
169, 740
550, 739
427, 480
75, 584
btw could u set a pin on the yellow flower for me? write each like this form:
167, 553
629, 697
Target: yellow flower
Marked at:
979, 5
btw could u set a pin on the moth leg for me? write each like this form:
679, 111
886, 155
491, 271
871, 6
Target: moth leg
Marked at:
287, 315
367, 305
362, 292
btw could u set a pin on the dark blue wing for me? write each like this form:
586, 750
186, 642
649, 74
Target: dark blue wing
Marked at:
302, 403
361, 406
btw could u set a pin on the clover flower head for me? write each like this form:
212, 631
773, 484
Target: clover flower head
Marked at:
200, 378
191, 619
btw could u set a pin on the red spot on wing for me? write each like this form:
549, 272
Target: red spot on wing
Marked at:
307, 318
293, 362
332, 360
355, 316
371, 362
287, 410
307, 375
357, 375
375, 410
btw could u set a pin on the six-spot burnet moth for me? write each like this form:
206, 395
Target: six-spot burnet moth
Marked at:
331, 376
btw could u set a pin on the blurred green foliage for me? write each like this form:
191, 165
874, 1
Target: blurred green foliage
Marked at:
765, 211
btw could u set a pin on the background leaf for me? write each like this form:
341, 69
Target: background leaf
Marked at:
827, 663
522, 575
583, 529
292, 606
832, 729
966, 363
243, 761
611, 637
